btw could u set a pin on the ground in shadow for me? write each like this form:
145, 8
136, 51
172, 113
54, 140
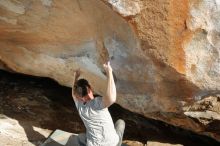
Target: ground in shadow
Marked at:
41, 102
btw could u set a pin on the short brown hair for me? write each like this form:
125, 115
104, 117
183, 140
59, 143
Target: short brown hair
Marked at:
80, 87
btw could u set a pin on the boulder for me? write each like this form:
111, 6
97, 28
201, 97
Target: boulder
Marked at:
164, 54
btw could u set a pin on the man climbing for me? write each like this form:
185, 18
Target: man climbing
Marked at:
100, 130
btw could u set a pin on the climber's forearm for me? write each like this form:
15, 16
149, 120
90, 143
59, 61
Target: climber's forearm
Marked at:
75, 78
73, 84
110, 97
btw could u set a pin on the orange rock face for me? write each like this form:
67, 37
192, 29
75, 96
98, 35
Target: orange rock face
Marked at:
158, 51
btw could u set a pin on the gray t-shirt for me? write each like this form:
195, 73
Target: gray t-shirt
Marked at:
100, 130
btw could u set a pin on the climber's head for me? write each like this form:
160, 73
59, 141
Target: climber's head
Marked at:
83, 90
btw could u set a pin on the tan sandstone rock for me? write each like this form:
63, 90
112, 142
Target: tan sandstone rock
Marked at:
164, 53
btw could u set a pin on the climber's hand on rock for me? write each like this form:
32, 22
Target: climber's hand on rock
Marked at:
107, 67
76, 74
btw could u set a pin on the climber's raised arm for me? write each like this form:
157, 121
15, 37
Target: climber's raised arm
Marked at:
76, 75
110, 96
